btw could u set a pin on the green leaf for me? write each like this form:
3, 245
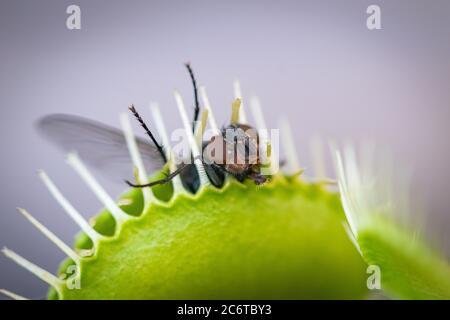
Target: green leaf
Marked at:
284, 240
409, 269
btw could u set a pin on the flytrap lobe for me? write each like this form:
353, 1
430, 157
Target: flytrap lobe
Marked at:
206, 233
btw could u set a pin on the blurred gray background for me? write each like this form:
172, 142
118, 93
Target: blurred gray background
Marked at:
312, 61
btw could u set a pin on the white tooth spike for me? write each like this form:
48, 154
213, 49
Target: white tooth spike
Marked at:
200, 128
352, 180
351, 167
212, 120
258, 116
12, 295
317, 153
238, 95
235, 107
42, 274
161, 128
51, 236
289, 146
344, 192
74, 161
352, 237
190, 136
255, 107
136, 158
71, 211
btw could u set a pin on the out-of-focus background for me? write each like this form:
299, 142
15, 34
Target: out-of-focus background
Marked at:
314, 62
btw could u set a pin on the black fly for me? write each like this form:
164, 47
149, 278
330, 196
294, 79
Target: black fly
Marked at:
104, 147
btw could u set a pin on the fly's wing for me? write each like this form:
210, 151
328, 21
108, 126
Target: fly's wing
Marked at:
98, 145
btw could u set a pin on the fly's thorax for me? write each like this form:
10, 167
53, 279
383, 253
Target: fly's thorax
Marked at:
236, 148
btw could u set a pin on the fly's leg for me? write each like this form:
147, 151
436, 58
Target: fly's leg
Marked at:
257, 178
164, 180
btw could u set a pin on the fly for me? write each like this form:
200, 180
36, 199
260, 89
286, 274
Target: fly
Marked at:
234, 151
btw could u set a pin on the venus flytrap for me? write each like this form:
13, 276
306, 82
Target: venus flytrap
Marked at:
240, 241
284, 239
